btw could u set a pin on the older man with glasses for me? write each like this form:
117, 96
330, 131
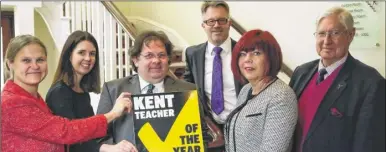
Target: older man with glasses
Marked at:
150, 58
209, 65
341, 100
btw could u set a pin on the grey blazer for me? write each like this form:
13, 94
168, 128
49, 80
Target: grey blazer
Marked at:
265, 123
123, 128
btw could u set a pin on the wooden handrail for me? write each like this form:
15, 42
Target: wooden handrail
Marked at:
121, 19
241, 31
127, 26
238, 27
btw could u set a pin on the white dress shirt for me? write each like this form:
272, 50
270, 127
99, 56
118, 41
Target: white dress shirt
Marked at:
229, 89
158, 87
332, 67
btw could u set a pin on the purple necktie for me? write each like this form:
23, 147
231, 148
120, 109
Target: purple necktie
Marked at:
217, 86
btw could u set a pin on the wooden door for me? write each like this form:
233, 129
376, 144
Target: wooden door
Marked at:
7, 23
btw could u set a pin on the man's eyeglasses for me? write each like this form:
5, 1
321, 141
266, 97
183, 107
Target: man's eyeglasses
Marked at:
333, 34
150, 56
212, 22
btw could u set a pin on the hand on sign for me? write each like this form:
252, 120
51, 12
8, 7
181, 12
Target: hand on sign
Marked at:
123, 146
122, 104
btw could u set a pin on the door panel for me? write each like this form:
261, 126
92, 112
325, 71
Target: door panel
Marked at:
7, 23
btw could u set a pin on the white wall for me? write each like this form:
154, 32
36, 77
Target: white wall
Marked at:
41, 31
292, 23
143, 24
28, 21
23, 15
183, 17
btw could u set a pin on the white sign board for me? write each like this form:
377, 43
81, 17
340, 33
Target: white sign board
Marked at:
367, 21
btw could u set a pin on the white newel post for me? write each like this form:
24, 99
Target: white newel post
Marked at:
24, 17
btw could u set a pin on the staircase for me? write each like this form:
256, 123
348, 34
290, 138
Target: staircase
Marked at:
114, 35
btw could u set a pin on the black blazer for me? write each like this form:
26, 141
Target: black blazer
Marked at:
195, 69
357, 93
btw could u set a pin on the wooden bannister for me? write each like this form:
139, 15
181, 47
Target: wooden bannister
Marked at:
127, 26
241, 31
121, 19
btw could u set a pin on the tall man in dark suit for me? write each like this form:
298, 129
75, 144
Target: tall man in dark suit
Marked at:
150, 55
341, 99
209, 64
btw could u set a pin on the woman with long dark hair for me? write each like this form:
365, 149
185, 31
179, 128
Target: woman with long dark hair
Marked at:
77, 74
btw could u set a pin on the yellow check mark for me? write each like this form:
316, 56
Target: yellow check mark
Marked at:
189, 114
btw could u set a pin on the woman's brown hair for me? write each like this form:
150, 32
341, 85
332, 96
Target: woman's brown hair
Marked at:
65, 71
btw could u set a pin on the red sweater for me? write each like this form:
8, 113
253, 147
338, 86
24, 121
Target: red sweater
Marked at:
27, 124
309, 102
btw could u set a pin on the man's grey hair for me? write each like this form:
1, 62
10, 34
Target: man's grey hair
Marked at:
345, 17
